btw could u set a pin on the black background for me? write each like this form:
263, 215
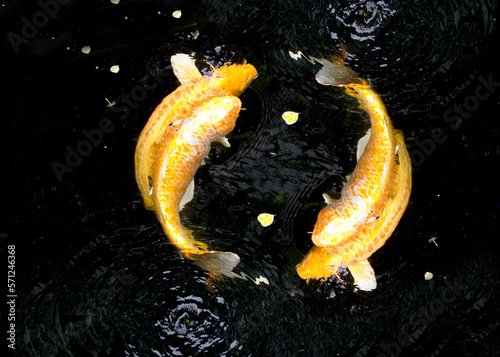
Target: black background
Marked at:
94, 275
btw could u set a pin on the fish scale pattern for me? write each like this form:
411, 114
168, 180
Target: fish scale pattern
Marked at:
360, 198
177, 107
323, 261
179, 159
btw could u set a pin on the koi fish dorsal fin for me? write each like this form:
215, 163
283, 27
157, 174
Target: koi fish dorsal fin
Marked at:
364, 276
362, 144
184, 67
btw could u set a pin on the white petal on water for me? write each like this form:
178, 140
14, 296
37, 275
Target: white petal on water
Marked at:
177, 14
295, 56
428, 276
261, 279
86, 50
115, 68
116, 2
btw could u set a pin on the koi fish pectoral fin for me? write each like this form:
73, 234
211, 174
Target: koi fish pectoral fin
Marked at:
362, 144
188, 195
148, 200
223, 140
364, 276
184, 67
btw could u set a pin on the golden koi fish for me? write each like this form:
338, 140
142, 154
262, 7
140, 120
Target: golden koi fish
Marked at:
322, 262
180, 155
349, 230
179, 105
362, 198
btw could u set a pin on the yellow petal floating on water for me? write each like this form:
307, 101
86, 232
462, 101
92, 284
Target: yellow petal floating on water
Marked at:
116, 2
290, 117
115, 68
266, 219
428, 276
177, 14
86, 50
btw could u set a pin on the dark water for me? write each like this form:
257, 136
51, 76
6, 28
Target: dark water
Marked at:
94, 273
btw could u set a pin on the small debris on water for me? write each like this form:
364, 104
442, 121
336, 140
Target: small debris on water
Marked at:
433, 240
177, 14
110, 104
428, 276
115, 68
294, 293
261, 279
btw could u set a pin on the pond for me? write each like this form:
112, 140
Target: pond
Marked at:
94, 272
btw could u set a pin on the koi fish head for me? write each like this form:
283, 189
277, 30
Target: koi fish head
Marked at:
318, 263
330, 230
230, 79
223, 113
234, 79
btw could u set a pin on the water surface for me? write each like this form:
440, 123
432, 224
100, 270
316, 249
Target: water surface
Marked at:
96, 276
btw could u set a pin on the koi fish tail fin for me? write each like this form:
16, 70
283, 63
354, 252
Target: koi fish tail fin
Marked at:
339, 75
216, 262
336, 74
364, 276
